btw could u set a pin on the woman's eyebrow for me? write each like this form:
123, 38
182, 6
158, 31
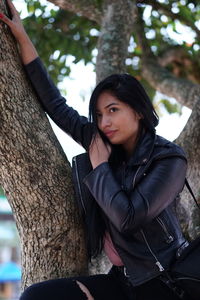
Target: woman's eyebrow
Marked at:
113, 103
107, 106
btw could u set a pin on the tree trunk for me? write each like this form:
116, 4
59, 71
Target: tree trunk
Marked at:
114, 37
189, 139
36, 177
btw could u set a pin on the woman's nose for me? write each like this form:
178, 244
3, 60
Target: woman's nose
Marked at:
105, 122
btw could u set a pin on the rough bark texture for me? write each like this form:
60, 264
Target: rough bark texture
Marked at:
36, 178
189, 139
85, 8
114, 37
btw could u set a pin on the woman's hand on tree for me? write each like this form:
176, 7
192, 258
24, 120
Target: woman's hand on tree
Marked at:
27, 49
99, 152
15, 23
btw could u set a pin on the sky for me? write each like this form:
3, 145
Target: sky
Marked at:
79, 85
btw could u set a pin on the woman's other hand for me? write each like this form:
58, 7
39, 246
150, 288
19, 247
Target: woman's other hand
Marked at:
27, 50
99, 152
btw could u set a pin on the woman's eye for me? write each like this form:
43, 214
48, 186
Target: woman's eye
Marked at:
113, 109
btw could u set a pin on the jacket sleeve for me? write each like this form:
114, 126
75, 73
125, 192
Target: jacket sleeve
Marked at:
55, 105
154, 192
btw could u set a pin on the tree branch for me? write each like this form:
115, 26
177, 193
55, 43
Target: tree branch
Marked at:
140, 34
182, 63
184, 91
85, 8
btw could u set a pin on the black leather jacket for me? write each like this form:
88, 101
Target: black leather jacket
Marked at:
137, 197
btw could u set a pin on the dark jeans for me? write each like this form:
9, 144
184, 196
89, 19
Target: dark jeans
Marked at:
102, 287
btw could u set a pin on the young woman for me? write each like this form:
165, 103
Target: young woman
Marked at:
128, 182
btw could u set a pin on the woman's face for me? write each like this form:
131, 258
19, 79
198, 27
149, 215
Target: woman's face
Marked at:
118, 121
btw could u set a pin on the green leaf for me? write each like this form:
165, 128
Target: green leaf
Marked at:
171, 107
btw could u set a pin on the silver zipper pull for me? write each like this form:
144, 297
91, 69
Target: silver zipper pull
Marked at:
161, 269
170, 239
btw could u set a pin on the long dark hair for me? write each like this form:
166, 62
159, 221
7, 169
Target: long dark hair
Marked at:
129, 90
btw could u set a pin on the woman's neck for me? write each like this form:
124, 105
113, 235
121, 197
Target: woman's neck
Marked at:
130, 147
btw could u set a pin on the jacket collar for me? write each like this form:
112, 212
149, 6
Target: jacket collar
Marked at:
143, 149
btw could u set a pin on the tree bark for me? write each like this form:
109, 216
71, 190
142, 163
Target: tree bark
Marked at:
189, 139
36, 177
114, 37
85, 8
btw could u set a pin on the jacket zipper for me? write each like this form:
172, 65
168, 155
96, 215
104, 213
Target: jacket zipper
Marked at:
134, 179
158, 264
79, 186
169, 236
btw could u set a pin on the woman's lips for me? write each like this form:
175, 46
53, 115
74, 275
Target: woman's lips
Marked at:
110, 133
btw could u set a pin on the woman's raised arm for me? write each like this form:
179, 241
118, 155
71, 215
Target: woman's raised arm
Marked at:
27, 49
49, 96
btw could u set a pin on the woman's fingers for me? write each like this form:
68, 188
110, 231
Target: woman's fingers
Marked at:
99, 144
97, 139
12, 7
5, 19
27, 50
14, 13
14, 23
99, 152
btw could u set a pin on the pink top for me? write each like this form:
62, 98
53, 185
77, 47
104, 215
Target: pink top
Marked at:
111, 252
